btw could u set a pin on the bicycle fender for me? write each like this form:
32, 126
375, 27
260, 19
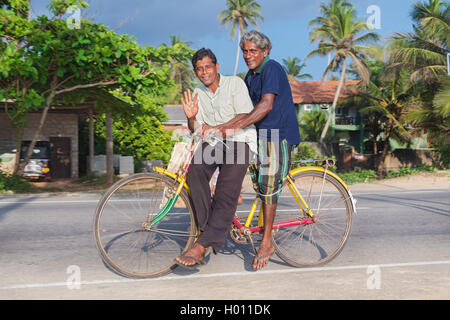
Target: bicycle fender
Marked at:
331, 173
171, 175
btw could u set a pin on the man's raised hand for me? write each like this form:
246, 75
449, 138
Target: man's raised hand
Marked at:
190, 106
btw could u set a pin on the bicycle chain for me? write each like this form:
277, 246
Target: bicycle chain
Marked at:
237, 234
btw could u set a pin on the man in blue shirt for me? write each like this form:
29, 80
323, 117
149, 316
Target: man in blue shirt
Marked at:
276, 122
216, 100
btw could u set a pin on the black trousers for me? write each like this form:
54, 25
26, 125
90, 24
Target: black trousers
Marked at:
215, 215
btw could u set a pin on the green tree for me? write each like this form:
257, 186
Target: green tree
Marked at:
311, 125
17, 73
293, 68
340, 33
139, 132
386, 106
239, 13
47, 62
424, 53
181, 69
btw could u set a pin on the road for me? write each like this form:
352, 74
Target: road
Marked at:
399, 248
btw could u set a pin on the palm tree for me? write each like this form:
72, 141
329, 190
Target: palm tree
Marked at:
387, 103
311, 125
177, 39
433, 116
181, 70
238, 13
293, 69
424, 51
339, 33
434, 18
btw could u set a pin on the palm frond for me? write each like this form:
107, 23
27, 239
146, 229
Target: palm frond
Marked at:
441, 101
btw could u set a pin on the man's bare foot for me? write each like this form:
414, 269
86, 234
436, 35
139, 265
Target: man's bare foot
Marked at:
262, 257
193, 256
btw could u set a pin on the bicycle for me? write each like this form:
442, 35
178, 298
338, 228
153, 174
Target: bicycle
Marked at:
145, 220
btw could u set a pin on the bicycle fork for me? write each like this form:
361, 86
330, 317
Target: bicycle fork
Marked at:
299, 199
152, 220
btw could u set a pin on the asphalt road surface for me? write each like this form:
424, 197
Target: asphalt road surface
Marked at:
399, 248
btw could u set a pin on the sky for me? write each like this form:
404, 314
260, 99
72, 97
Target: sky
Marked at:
152, 22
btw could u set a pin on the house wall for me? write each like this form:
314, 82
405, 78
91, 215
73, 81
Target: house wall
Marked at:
56, 125
349, 130
399, 158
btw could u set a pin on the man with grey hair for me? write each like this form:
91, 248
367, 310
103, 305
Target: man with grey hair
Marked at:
276, 122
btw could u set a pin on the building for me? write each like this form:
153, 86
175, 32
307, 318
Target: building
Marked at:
177, 121
346, 124
60, 129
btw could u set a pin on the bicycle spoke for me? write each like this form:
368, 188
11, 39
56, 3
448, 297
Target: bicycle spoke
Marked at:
172, 232
318, 242
123, 234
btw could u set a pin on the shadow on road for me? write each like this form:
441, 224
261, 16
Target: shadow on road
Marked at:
408, 202
5, 209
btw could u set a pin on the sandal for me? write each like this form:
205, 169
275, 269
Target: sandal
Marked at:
192, 266
197, 263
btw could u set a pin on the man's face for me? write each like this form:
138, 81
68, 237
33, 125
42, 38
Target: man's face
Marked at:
206, 71
253, 55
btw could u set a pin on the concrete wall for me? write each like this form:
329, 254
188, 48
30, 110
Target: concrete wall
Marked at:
399, 158
124, 165
348, 158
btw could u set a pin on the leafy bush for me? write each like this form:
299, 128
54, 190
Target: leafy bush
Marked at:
370, 175
353, 177
304, 151
405, 171
14, 183
311, 125
138, 133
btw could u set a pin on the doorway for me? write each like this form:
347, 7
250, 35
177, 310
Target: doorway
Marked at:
60, 157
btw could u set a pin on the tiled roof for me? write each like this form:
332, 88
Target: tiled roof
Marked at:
320, 91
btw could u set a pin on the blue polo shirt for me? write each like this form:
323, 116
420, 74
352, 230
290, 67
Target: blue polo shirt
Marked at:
271, 78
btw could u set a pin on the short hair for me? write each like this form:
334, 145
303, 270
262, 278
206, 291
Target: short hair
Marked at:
200, 54
258, 38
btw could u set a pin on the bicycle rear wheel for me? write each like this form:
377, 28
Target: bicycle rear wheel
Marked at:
125, 237
319, 242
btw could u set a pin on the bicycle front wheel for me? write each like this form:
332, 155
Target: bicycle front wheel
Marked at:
129, 238
318, 242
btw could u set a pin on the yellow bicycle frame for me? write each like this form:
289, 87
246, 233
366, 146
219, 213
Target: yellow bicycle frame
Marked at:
319, 169
298, 197
331, 173
301, 202
181, 178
